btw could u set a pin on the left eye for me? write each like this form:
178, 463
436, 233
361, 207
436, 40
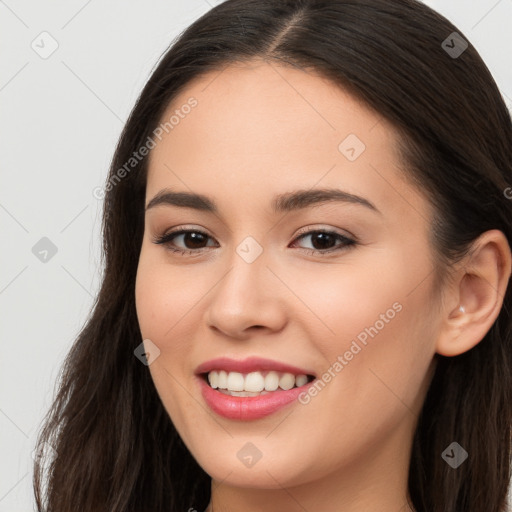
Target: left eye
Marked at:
326, 238
195, 239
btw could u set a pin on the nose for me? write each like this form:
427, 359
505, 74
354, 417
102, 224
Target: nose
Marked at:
247, 298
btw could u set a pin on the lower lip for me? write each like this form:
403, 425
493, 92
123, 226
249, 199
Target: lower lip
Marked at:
248, 407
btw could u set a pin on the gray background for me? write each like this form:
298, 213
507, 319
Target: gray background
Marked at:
61, 118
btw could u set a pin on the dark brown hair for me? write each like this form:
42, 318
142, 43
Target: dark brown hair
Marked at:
116, 448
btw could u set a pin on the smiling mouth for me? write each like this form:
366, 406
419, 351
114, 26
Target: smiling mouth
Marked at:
254, 383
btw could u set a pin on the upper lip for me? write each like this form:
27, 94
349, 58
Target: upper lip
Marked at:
251, 364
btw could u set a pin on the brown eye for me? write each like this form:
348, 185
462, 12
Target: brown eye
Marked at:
325, 241
193, 240
190, 241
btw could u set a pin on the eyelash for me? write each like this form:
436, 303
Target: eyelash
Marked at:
168, 237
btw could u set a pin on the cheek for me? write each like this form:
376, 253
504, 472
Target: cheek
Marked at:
164, 298
373, 327
376, 363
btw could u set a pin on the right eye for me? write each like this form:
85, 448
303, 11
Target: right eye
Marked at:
192, 237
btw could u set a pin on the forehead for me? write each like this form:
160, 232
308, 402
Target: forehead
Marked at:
259, 129
250, 109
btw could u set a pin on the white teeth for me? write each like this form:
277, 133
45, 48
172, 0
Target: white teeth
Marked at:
213, 379
236, 382
287, 381
271, 381
254, 383
300, 380
222, 381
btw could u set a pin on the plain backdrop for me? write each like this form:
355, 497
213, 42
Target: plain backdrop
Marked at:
61, 116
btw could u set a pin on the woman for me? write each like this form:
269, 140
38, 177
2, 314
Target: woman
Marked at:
306, 299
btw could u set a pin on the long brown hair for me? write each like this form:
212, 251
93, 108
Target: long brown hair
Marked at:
116, 448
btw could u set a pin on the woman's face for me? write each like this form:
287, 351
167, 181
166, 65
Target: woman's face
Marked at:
351, 308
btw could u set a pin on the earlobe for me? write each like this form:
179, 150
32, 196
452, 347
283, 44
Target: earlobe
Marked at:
476, 294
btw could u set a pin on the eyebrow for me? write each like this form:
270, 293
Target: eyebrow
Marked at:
286, 202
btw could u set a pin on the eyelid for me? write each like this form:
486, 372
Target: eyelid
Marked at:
308, 229
315, 228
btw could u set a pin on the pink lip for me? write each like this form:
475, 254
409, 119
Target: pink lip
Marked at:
251, 364
251, 407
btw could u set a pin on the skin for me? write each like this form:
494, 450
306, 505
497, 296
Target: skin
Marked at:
262, 129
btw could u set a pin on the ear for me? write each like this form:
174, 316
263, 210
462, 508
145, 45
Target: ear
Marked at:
479, 286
